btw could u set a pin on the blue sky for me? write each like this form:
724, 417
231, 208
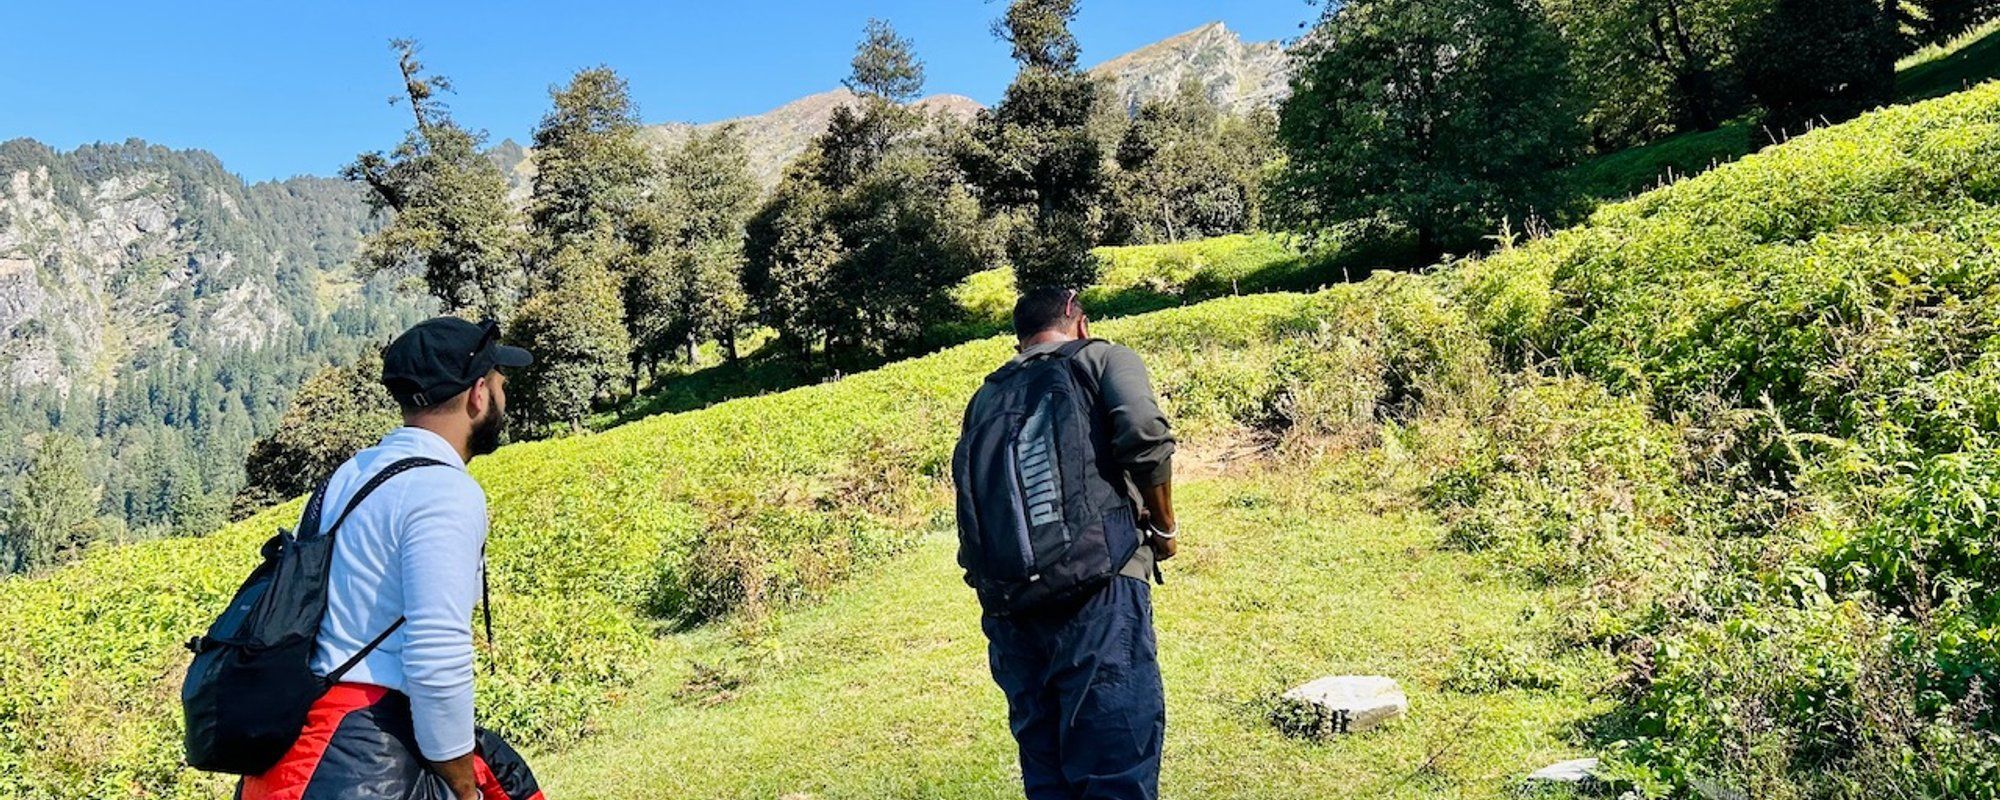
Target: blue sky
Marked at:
284, 88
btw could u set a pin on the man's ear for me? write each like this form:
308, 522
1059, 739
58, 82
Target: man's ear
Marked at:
477, 399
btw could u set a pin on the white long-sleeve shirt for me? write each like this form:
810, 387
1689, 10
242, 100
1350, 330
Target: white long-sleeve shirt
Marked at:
412, 549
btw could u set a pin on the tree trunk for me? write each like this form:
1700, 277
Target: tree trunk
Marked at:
1429, 251
1693, 80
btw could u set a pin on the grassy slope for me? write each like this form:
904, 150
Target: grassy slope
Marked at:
594, 540
1293, 570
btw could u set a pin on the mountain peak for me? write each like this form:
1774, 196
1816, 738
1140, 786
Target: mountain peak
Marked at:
1239, 76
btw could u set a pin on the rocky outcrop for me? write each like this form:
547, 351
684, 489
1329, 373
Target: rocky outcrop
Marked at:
1240, 77
114, 250
776, 137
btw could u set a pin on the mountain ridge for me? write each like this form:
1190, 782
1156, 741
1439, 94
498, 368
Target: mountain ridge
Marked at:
1241, 77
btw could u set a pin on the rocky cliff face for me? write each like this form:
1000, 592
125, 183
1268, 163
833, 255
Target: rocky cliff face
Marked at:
112, 250
1240, 77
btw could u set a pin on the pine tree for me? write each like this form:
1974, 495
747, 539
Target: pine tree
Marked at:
1037, 152
450, 222
886, 66
54, 510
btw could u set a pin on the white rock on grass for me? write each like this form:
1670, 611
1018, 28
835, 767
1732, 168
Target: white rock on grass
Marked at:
1339, 704
1582, 770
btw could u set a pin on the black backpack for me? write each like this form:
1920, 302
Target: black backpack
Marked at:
251, 683
1043, 518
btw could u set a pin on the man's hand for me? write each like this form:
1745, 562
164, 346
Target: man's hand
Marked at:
458, 774
1164, 549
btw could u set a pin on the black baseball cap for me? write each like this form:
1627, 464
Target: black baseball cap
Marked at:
439, 358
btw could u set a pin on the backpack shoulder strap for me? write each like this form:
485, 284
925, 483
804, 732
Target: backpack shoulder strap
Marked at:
1071, 348
376, 481
379, 478
315, 504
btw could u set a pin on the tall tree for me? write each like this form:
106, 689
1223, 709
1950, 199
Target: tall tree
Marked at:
1655, 66
574, 328
1813, 61
450, 222
586, 232
53, 515
886, 65
687, 286
1037, 152
591, 168
862, 241
1444, 116
1185, 171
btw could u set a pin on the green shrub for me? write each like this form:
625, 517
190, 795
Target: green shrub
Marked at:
1483, 669
1818, 322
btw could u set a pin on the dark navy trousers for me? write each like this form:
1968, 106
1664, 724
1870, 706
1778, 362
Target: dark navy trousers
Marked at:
1084, 696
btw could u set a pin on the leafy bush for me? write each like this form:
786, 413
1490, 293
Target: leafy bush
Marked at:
1821, 314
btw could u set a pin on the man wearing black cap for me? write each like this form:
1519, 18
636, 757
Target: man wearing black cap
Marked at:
406, 573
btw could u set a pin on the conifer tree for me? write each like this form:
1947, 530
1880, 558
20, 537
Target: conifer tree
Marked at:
53, 514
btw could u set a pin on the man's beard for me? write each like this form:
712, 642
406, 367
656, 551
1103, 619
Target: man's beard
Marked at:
487, 434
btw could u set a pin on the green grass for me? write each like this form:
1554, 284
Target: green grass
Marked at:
1950, 67
596, 540
1292, 570
1761, 471
1136, 280
1820, 318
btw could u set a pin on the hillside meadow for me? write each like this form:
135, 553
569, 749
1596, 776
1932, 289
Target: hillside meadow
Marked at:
597, 542
1703, 485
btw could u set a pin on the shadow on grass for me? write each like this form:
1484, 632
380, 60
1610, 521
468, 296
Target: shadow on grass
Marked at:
1973, 60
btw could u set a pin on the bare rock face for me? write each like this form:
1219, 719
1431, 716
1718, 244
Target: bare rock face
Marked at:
1241, 77
114, 250
1339, 704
